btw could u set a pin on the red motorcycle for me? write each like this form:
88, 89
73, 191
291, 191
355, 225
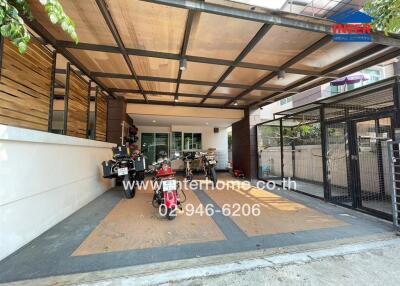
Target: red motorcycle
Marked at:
166, 189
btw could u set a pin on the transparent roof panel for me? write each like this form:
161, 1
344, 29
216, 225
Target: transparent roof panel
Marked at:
329, 54
86, 16
101, 62
289, 78
156, 67
221, 37
148, 26
203, 72
227, 91
158, 86
119, 83
366, 59
281, 44
194, 89
246, 76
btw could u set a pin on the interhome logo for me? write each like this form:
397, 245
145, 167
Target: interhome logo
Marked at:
351, 26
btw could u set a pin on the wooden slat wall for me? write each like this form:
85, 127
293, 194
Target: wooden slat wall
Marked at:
101, 116
25, 86
77, 105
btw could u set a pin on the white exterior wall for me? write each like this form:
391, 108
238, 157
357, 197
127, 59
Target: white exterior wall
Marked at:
44, 178
209, 140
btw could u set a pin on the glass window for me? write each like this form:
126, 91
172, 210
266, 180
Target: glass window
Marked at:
188, 141
155, 146
197, 141
192, 141
176, 142
148, 150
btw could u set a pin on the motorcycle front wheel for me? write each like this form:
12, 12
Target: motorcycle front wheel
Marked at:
189, 176
128, 192
213, 176
171, 213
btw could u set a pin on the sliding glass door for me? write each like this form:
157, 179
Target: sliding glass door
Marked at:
155, 146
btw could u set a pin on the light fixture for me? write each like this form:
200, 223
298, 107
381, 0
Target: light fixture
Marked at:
235, 103
281, 74
154, 121
176, 99
206, 123
182, 64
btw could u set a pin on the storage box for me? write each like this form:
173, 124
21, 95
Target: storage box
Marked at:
140, 164
120, 152
107, 168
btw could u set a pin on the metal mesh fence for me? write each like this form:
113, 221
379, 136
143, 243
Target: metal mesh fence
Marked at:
356, 126
269, 150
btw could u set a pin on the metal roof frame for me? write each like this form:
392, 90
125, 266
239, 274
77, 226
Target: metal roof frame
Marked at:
194, 6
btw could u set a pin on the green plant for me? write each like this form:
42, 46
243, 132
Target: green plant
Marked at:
386, 14
12, 24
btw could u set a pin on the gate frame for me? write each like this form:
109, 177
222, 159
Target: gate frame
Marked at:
393, 180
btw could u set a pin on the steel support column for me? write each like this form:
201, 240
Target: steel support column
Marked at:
324, 148
88, 111
281, 142
52, 86
66, 98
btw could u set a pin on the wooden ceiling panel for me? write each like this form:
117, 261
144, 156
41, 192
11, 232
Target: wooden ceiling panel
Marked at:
101, 61
203, 72
329, 55
119, 83
149, 26
90, 24
195, 89
155, 67
281, 44
158, 86
220, 37
227, 91
288, 79
245, 76
215, 101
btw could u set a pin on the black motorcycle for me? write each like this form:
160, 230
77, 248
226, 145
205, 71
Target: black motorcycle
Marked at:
209, 163
129, 168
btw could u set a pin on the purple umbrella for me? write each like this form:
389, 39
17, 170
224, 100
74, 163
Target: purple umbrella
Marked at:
350, 79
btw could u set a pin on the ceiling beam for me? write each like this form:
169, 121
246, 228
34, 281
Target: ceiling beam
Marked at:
134, 101
185, 42
314, 47
184, 81
114, 31
253, 42
285, 19
44, 34
154, 92
190, 58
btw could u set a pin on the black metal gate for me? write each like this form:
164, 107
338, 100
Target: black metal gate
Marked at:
357, 166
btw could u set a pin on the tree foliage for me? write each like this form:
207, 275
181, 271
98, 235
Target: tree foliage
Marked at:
386, 14
13, 26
